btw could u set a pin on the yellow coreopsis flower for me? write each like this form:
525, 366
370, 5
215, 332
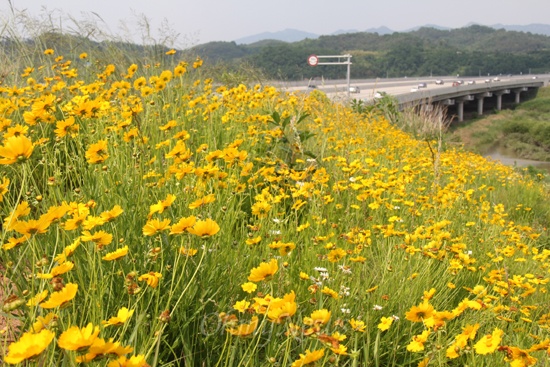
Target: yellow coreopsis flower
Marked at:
16, 149
308, 358
155, 226
489, 343
241, 306
244, 329
134, 361
385, 323
122, 316
358, 325
420, 312
97, 152
183, 224
101, 348
152, 278
117, 254
57, 270
76, 338
62, 297
204, 228
33, 301
318, 317
249, 287
263, 271
417, 343
43, 322
100, 238
28, 346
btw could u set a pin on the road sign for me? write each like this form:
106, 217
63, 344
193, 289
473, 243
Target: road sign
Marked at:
313, 60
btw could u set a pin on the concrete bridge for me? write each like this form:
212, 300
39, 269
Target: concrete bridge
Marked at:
481, 95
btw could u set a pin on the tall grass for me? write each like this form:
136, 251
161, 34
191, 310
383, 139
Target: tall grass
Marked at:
262, 228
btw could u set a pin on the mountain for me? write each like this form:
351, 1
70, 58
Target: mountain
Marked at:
380, 30
287, 35
434, 26
294, 35
543, 29
344, 31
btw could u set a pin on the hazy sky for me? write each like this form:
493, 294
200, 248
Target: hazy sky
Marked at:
202, 21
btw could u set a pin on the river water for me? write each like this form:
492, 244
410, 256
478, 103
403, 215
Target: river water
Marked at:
508, 159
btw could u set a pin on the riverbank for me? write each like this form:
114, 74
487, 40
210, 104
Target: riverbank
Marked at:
516, 137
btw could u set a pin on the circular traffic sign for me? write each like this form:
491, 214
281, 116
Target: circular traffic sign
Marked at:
313, 60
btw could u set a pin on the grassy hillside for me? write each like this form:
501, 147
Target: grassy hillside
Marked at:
152, 216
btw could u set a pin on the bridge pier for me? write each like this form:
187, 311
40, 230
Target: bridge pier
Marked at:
460, 106
499, 97
480, 98
518, 91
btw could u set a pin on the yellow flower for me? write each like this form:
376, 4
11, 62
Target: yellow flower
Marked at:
100, 238
76, 338
161, 205
335, 255
183, 224
489, 343
309, 357
417, 344
263, 271
101, 348
32, 226
318, 317
358, 325
170, 52
43, 322
57, 270
420, 312
16, 149
155, 226
28, 346
61, 298
33, 301
202, 201
188, 251
253, 241
244, 329
241, 306
134, 361
97, 152
385, 323
122, 316
117, 254
204, 228
330, 292
249, 287
152, 278
67, 127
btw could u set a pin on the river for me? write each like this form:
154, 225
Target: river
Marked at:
508, 159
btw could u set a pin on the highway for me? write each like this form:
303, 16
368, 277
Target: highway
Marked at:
369, 87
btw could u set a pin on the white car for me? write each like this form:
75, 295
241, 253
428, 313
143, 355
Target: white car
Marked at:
354, 90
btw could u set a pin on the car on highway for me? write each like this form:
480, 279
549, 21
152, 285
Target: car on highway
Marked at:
422, 85
354, 90
496, 79
487, 80
439, 82
457, 84
471, 82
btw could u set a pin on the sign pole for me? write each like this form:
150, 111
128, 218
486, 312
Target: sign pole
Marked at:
313, 60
